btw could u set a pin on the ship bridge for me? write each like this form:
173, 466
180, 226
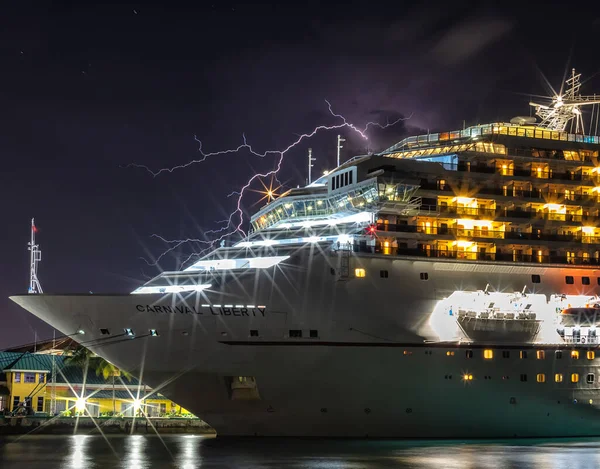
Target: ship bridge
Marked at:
351, 194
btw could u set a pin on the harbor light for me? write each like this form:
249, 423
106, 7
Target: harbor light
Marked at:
81, 332
80, 404
137, 403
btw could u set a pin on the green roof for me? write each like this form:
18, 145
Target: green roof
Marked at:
64, 372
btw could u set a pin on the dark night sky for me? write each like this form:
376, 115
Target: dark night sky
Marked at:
85, 90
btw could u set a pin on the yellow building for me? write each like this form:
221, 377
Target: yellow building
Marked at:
27, 386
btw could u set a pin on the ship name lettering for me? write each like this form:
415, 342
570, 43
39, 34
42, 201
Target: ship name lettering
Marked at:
164, 309
238, 311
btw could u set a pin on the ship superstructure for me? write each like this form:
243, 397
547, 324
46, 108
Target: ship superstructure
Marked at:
446, 286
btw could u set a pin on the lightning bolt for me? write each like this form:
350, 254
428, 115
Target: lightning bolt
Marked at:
233, 224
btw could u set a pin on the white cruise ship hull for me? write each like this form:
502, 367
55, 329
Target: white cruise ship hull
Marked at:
373, 359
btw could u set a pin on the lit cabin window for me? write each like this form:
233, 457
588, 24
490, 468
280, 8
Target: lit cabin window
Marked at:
488, 354
575, 354
450, 353
575, 378
541, 378
591, 355
523, 354
540, 354
360, 273
558, 377
467, 377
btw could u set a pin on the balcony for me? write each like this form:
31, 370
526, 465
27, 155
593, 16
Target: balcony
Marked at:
479, 256
489, 234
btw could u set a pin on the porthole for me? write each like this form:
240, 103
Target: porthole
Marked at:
535, 278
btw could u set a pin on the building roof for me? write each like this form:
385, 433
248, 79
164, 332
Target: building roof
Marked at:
65, 372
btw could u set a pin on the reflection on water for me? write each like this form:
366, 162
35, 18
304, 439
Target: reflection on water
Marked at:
190, 452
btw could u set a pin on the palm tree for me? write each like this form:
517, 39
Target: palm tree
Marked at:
83, 358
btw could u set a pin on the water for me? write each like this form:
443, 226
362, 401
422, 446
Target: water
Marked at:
189, 452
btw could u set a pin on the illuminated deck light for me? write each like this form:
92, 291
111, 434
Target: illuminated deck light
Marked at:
80, 404
129, 332
153, 333
81, 332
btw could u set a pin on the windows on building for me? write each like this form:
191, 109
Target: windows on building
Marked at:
450, 353
575, 354
523, 377
540, 354
488, 354
40, 404
590, 378
535, 278
569, 280
591, 354
253, 332
314, 334
295, 333
523, 354
574, 377
16, 400
558, 378
467, 377
585, 280
29, 378
469, 353
360, 273
505, 354
17, 377
384, 274
424, 276
540, 378
558, 354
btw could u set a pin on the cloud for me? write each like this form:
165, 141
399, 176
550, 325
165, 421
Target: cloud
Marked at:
469, 38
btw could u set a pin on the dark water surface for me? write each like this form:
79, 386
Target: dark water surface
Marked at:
188, 452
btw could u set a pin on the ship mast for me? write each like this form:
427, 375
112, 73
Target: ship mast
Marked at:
564, 107
34, 258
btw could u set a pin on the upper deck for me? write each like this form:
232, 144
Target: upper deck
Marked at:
461, 140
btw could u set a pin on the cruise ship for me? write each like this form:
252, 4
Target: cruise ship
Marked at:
447, 287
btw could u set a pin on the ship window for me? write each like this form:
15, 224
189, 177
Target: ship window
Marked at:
407, 352
360, 273
469, 354
558, 354
505, 354
314, 334
104, 332
332, 271
488, 354
253, 333
558, 377
450, 353
384, 274
29, 378
424, 276
296, 333
523, 354
540, 354
535, 278
575, 354
467, 377
589, 378
585, 280
523, 377
591, 355
569, 280
541, 378
575, 378
153, 333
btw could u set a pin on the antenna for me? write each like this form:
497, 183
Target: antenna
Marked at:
564, 108
310, 165
35, 257
339, 147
